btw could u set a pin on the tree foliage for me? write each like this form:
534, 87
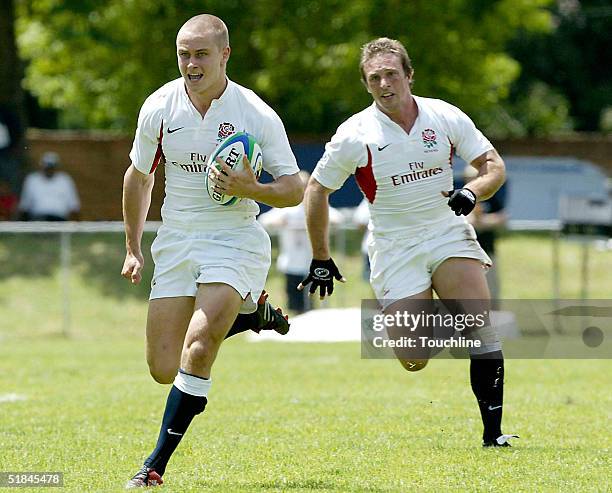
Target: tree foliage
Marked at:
98, 60
570, 61
11, 94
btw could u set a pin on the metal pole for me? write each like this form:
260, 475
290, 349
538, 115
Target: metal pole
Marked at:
584, 292
556, 265
556, 278
65, 254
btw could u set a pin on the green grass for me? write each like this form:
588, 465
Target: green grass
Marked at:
282, 417
302, 418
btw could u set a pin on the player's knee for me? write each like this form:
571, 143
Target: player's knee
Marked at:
163, 375
414, 364
200, 350
162, 372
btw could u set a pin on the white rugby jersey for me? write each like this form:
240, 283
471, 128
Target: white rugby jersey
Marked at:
401, 175
171, 131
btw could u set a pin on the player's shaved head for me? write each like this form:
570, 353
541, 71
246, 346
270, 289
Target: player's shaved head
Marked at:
204, 24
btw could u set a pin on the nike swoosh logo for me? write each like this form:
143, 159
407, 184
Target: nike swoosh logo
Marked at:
493, 408
172, 130
170, 432
383, 147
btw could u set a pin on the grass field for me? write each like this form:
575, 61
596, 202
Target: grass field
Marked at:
283, 417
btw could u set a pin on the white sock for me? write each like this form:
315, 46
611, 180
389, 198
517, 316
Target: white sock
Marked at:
489, 340
191, 384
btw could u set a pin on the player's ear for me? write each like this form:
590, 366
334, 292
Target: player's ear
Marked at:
226, 54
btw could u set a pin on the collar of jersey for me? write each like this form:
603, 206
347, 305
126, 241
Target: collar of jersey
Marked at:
225, 95
215, 102
384, 118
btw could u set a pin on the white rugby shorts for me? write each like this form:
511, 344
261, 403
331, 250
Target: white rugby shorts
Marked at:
239, 257
403, 266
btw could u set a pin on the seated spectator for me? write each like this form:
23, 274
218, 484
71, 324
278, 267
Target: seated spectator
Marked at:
49, 194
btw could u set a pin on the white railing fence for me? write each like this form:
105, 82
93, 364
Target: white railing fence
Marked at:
65, 230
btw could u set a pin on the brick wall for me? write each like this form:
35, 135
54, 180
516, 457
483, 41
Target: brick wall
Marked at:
97, 162
589, 147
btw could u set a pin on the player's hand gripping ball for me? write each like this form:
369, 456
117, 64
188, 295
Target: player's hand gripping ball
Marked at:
231, 151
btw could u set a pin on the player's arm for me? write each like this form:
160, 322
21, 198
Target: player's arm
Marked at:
137, 189
475, 148
323, 270
491, 175
343, 153
284, 191
316, 200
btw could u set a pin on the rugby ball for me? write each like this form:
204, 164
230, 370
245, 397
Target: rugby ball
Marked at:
231, 151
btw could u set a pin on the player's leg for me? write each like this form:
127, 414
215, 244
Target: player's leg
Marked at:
171, 303
464, 279
264, 317
216, 308
461, 278
402, 284
247, 272
167, 322
493, 282
412, 359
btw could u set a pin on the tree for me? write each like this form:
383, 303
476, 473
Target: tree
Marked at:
12, 114
570, 60
97, 61
10, 65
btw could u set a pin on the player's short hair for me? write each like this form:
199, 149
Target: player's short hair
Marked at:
383, 46
208, 23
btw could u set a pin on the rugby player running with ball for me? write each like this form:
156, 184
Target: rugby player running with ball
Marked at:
211, 261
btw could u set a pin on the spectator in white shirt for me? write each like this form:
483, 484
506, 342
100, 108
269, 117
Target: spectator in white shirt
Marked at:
49, 194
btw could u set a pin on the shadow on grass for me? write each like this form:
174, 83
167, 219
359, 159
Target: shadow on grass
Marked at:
96, 257
102, 262
279, 485
29, 255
